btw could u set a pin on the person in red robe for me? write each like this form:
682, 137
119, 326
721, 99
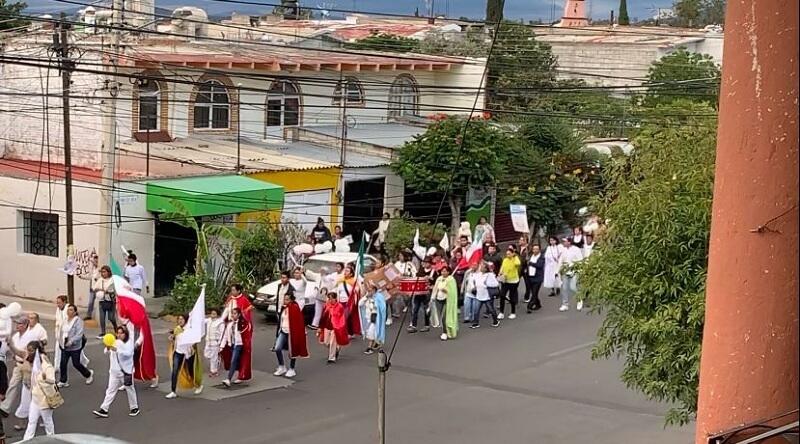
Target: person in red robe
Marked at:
291, 336
237, 299
349, 287
332, 330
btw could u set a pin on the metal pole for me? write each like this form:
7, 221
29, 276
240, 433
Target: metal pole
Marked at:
147, 155
110, 137
239, 130
383, 367
343, 153
66, 66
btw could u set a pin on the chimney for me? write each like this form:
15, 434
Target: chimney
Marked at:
574, 14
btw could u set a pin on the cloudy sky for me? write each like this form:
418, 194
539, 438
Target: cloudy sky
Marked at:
524, 9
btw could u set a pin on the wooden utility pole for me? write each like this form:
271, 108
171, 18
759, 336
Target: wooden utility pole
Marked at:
66, 65
749, 363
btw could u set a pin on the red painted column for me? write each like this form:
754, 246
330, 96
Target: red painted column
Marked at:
749, 364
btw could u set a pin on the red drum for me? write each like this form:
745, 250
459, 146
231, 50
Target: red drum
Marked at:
411, 286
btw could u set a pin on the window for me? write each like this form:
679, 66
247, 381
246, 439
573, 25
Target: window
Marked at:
403, 97
149, 103
354, 94
212, 108
40, 233
283, 104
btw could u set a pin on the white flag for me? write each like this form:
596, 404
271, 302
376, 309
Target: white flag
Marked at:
445, 242
195, 326
37, 365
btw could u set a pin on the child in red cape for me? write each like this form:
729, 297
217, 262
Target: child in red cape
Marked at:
291, 336
333, 327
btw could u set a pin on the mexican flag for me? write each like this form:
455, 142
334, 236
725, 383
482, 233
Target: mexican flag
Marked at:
359, 271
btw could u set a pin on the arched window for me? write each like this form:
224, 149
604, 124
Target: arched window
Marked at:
351, 88
283, 104
149, 105
403, 97
212, 108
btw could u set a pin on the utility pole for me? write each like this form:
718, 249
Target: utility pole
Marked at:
66, 65
383, 367
343, 98
239, 129
110, 136
749, 361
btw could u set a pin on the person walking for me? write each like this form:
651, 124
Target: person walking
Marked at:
43, 391
569, 286
446, 299
421, 301
107, 297
3, 383
19, 385
534, 278
332, 330
469, 289
74, 341
136, 275
291, 336
399, 303
236, 329
35, 329
523, 251
187, 370
93, 275
372, 309
509, 282
58, 335
120, 373
326, 282
552, 258
236, 299
577, 237
215, 329
484, 280
588, 248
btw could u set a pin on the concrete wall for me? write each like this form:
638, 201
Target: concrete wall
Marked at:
137, 230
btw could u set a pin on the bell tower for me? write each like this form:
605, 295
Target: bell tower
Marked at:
574, 14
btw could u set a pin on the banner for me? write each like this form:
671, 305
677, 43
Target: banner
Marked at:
519, 218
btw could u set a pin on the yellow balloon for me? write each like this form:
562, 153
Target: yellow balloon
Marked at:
109, 340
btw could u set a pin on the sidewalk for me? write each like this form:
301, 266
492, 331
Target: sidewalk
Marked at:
47, 309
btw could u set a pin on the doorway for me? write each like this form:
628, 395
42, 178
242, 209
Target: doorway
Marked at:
363, 207
175, 252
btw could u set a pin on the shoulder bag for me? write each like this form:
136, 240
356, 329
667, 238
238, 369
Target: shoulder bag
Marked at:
52, 396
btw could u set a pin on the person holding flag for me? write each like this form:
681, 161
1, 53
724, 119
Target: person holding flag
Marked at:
445, 296
187, 368
236, 299
133, 314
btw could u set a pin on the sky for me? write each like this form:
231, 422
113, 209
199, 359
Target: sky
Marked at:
514, 9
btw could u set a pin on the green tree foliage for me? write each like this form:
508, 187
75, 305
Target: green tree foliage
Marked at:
494, 11
714, 12
385, 42
400, 235
683, 75
448, 159
9, 13
552, 174
687, 12
623, 13
649, 269
466, 44
258, 254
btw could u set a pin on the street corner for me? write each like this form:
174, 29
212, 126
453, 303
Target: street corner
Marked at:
213, 390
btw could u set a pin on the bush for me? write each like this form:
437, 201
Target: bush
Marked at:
187, 288
258, 254
401, 235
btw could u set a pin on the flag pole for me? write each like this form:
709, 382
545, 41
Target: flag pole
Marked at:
383, 367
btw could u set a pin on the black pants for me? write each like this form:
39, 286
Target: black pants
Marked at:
476, 318
511, 290
107, 310
3, 389
420, 302
75, 356
532, 293
177, 361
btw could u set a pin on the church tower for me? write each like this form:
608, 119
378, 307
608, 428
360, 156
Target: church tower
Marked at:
574, 14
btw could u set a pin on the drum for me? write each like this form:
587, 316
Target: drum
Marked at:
411, 286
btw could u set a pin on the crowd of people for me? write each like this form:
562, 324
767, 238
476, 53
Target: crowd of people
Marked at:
460, 287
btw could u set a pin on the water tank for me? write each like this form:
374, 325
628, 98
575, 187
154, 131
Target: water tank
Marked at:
190, 21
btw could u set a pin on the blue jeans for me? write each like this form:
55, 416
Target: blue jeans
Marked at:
470, 306
420, 302
237, 355
177, 361
90, 307
281, 344
476, 315
107, 309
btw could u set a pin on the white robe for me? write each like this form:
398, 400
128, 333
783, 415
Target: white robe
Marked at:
552, 257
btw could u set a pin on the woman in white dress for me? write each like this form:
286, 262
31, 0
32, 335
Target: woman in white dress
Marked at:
552, 256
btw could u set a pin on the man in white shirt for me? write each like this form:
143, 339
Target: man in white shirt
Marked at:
569, 280
136, 275
20, 341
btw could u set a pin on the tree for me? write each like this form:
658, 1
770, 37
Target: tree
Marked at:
451, 156
552, 175
9, 14
623, 13
683, 75
385, 42
687, 12
400, 234
649, 268
713, 12
465, 44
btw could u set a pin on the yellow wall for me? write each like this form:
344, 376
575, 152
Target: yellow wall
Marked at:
300, 180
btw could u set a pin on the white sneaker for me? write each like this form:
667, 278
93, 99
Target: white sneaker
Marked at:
564, 307
501, 316
226, 382
291, 373
579, 307
198, 390
62, 384
389, 322
512, 316
121, 389
171, 395
280, 371
443, 337
237, 381
155, 383
90, 379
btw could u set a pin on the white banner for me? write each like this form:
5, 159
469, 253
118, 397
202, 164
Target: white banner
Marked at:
519, 218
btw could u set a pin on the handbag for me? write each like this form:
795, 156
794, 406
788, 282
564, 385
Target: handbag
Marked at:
493, 291
127, 378
52, 396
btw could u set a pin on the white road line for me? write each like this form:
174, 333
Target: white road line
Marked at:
570, 350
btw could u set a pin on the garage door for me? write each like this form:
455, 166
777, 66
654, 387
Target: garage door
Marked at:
305, 207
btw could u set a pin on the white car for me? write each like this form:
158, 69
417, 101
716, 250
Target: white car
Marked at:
266, 297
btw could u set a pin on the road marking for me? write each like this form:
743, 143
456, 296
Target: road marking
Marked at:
569, 350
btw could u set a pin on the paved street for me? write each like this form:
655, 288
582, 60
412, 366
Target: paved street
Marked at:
530, 381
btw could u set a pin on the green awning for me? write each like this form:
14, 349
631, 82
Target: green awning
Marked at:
214, 195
